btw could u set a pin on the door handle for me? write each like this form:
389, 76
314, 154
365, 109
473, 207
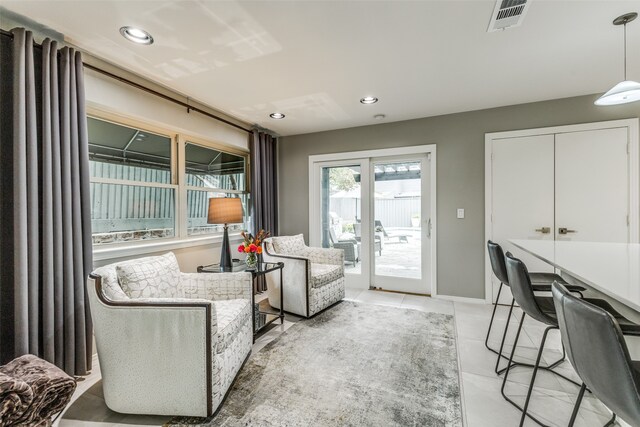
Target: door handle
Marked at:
544, 230
429, 228
565, 230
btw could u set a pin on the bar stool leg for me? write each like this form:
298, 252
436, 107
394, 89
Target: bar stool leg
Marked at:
495, 306
504, 338
533, 375
611, 422
506, 374
576, 408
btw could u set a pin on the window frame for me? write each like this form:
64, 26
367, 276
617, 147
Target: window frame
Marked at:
180, 238
183, 140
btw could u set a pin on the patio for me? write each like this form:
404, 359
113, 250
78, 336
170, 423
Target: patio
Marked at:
399, 258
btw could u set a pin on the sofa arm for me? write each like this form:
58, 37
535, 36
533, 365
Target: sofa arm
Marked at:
325, 255
136, 339
216, 286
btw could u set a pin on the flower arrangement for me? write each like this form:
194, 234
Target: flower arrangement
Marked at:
252, 245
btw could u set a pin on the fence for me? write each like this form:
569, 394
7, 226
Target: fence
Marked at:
391, 212
124, 207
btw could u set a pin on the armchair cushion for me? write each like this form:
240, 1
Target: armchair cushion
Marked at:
232, 315
150, 277
216, 287
289, 245
322, 274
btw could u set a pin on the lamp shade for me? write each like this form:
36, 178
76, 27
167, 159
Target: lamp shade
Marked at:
224, 210
622, 93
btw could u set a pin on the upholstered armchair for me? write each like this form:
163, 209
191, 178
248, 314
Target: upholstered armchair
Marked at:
169, 343
313, 277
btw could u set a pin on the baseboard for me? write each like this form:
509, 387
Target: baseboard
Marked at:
461, 299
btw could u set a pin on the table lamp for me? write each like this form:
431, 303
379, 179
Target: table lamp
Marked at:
225, 211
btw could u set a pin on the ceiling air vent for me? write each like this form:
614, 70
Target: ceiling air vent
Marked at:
508, 13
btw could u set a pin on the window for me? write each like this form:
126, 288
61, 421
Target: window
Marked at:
211, 173
138, 192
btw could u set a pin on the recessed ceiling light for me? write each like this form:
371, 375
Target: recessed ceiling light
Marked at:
369, 100
276, 116
379, 116
136, 35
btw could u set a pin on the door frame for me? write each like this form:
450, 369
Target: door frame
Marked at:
632, 126
369, 155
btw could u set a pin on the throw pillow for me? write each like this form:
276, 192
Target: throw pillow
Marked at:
151, 277
289, 245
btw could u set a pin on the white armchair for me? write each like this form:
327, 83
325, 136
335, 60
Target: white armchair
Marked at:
313, 277
169, 343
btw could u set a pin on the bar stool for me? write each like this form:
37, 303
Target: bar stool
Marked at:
598, 352
543, 310
541, 282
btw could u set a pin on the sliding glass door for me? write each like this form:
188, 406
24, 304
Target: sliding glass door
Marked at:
400, 208
378, 211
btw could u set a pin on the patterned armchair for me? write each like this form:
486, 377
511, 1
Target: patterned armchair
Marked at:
169, 343
313, 277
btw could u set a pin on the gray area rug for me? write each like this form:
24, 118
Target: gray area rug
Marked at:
353, 365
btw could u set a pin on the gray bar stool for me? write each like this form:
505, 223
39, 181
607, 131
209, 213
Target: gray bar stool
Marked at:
541, 282
543, 310
598, 352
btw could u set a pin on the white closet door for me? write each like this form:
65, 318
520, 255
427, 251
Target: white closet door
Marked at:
592, 186
522, 196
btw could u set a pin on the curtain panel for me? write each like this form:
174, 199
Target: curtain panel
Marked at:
46, 248
264, 187
264, 183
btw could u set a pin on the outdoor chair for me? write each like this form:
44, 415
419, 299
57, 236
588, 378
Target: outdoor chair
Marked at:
351, 247
377, 243
402, 238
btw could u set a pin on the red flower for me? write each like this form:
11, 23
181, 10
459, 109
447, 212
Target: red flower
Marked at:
253, 248
241, 248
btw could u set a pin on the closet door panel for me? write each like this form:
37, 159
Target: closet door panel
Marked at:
522, 195
592, 186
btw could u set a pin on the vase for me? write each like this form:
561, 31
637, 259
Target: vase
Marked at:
251, 260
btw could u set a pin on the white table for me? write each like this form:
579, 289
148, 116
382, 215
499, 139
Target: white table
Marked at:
610, 268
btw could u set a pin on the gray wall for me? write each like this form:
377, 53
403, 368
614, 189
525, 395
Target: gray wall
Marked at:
460, 141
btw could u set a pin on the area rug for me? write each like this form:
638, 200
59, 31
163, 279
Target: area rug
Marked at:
355, 364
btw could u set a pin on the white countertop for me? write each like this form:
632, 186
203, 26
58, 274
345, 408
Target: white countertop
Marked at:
611, 268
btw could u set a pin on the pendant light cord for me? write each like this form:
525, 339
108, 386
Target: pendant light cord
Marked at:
625, 51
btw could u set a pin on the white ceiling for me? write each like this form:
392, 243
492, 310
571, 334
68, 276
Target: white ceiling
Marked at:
314, 60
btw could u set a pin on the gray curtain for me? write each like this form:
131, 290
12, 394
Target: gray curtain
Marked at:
264, 187
264, 184
45, 212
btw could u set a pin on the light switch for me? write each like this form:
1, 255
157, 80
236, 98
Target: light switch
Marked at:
460, 213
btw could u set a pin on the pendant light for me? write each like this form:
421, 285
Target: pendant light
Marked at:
628, 90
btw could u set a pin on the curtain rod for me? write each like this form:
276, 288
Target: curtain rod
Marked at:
163, 96
148, 90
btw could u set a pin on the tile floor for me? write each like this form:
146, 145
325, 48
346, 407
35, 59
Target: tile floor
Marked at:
483, 404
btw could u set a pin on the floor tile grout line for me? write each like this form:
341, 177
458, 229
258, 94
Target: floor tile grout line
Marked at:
463, 401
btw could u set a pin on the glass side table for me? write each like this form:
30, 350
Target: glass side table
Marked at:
260, 318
